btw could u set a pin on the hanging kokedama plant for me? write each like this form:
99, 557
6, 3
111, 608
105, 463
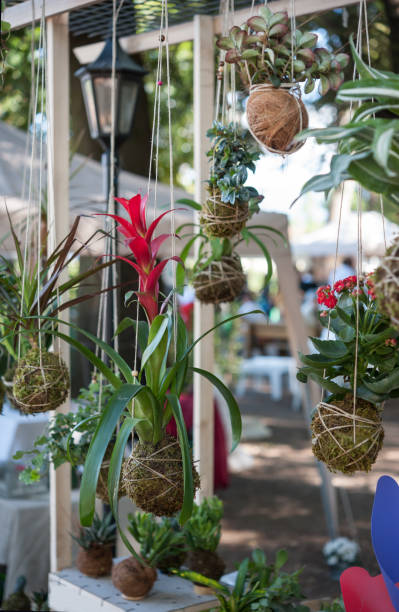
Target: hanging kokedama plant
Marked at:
359, 375
219, 279
386, 284
41, 382
230, 202
272, 60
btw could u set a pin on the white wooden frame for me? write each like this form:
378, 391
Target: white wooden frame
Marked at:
201, 30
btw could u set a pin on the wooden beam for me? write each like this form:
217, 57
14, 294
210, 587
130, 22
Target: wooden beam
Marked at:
24, 13
58, 203
204, 76
185, 31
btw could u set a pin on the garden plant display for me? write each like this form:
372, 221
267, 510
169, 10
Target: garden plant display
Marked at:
359, 371
41, 379
368, 145
202, 533
162, 543
272, 60
95, 547
230, 202
258, 587
159, 475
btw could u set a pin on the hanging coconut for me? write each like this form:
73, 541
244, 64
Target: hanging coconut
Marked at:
41, 382
153, 477
386, 284
102, 482
275, 116
132, 579
346, 440
221, 219
221, 281
95, 561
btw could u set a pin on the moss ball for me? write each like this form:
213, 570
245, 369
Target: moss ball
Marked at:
153, 477
386, 284
334, 441
221, 219
102, 484
206, 562
221, 281
132, 579
41, 382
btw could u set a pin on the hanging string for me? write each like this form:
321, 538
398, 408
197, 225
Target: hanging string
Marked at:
293, 30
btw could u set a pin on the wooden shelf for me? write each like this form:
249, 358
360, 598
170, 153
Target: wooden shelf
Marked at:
71, 591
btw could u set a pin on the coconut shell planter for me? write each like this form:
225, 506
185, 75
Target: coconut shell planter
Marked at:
223, 220
275, 117
221, 281
133, 579
346, 440
41, 382
153, 477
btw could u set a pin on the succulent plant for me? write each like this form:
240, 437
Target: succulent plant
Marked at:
265, 49
102, 532
203, 529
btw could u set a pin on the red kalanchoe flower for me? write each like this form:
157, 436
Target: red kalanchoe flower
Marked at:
326, 297
350, 282
339, 286
391, 342
139, 239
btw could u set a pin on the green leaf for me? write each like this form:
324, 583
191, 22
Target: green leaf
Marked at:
382, 142
200, 579
189, 203
101, 438
235, 415
250, 53
266, 254
258, 24
154, 356
386, 384
281, 559
241, 579
331, 386
307, 40
142, 334
367, 89
188, 498
364, 70
330, 348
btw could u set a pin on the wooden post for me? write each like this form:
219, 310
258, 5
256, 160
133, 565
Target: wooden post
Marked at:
58, 208
204, 75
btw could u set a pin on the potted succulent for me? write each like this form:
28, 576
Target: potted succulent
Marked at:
230, 202
133, 578
41, 379
217, 274
272, 60
368, 145
340, 554
346, 428
258, 586
95, 547
162, 543
202, 532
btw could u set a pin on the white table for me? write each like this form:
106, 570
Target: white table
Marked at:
273, 368
71, 591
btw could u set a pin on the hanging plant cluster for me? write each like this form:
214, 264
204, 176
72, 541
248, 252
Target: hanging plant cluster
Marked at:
359, 369
217, 274
272, 57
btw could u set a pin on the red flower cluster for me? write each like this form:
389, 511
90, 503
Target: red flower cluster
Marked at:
326, 297
370, 286
139, 239
391, 342
348, 283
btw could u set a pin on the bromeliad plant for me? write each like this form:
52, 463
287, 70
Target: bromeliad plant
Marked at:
258, 587
230, 202
159, 475
359, 369
271, 60
368, 145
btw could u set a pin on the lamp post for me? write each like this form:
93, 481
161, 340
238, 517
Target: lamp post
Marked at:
96, 83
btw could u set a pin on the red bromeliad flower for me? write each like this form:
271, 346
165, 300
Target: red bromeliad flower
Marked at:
139, 239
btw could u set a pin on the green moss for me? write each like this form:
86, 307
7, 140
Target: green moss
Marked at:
386, 284
347, 453
221, 281
223, 220
153, 477
16, 601
41, 382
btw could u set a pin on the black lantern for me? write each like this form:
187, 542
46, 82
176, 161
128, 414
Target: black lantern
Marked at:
96, 82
